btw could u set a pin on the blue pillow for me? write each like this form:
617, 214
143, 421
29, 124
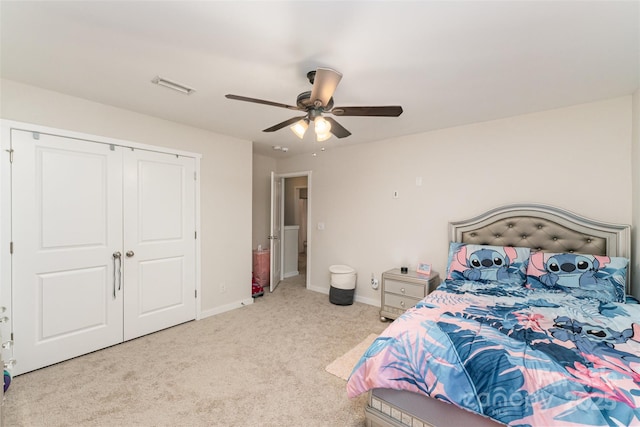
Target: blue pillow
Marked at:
483, 263
584, 276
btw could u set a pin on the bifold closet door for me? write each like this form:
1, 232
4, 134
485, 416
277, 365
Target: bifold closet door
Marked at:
103, 245
66, 226
159, 241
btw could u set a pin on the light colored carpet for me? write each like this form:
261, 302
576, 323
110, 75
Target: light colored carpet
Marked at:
343, 365
260, 365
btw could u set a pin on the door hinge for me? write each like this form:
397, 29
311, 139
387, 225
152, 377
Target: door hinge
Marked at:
195, 234
36, 135
11, 247
12, 336
10, 151
195, 174
196, 293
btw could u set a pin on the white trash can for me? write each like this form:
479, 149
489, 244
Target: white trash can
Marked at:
343, 284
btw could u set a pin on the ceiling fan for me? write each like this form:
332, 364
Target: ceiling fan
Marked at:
317, 101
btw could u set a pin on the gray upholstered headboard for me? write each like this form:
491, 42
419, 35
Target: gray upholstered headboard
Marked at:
544, 228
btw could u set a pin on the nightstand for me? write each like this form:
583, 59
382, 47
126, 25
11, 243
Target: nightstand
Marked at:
401, 291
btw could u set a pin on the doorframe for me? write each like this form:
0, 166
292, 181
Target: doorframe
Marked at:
308, 174
6, 297
6, 274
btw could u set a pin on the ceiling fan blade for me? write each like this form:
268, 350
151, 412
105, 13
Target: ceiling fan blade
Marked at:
385, 111
261, 101
337, 129
283, 124
324, 85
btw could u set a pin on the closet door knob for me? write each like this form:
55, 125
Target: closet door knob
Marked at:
129, 254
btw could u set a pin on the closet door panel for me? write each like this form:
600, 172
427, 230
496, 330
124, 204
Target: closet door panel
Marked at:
159, 206
67, 223
81, 294
73, 202
157, 280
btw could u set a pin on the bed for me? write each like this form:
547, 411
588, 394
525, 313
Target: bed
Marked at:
533, 325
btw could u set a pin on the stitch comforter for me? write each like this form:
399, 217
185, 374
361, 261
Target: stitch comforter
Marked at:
518, 356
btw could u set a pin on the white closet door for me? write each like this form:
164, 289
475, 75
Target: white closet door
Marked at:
67, 223
159, 230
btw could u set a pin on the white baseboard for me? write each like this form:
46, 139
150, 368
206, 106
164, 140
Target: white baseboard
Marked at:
248, 301
291, 274
370, 301
225, 308
318, 289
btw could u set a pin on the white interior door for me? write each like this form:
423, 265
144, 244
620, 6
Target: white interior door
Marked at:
67, 224
276, 232
159, 245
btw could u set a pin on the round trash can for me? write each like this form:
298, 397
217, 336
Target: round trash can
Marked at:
343, 284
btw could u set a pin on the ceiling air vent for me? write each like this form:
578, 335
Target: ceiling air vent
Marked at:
173, 85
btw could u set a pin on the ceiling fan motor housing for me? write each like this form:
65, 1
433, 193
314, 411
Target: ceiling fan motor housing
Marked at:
304, 102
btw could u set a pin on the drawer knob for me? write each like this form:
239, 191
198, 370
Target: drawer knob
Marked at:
402, 303
402, 290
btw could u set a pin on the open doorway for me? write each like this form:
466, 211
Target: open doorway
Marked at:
295, 215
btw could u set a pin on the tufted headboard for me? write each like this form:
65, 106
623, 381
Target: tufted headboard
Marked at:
544, 228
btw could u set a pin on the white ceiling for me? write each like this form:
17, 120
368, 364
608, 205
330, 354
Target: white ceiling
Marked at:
447, 63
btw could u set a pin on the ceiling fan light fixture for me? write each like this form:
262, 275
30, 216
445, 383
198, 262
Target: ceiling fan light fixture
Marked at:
299, 128
322, 126
323, 136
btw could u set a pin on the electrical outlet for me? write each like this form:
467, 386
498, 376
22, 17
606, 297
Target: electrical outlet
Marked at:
374, 281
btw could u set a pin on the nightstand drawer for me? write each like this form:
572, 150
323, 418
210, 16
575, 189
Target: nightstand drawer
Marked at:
404, 288
401, 291
399, 301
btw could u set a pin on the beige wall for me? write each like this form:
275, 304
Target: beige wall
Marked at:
226, 185
577, 158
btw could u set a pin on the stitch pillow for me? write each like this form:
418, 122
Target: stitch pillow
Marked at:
584, 276
482, 263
